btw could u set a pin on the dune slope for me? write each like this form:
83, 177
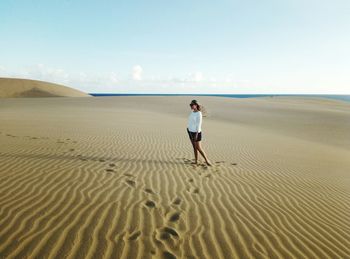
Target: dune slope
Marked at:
13, 87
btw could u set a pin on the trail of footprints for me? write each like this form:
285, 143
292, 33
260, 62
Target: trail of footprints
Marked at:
166, 233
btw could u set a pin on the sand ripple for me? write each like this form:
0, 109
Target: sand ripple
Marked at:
117, 193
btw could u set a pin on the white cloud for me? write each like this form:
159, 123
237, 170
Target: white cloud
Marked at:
195, 77
189, 78
137, 72
89, 82
44, 73
113, 83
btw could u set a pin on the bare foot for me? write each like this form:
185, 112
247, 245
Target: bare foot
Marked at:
194, 163
208, 163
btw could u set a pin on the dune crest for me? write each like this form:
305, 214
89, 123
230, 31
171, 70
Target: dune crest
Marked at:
15, 87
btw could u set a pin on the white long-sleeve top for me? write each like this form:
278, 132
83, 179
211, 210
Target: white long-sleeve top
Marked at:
195, 121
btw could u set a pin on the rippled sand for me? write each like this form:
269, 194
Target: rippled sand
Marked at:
111, 177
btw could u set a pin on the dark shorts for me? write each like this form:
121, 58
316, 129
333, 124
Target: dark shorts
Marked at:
192, 135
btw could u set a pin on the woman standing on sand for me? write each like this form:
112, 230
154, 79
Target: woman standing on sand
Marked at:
194, 130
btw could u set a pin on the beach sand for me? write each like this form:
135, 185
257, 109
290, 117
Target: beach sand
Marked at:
111, 177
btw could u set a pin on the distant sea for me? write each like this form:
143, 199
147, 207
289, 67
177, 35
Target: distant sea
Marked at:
334, 96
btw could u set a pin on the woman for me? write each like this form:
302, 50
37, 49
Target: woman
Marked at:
194, 130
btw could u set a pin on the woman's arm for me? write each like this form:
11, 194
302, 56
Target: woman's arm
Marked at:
198, 123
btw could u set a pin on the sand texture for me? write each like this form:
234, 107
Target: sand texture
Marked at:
111, 177
14, 87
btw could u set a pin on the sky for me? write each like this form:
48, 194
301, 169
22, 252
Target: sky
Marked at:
183, 46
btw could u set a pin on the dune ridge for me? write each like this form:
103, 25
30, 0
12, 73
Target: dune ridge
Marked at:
113, 182
16, 87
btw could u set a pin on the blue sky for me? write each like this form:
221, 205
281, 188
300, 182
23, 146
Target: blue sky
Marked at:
272, 46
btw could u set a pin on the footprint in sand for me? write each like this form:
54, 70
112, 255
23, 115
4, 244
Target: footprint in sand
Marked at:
218, 163
168, 255
110, 170
177, 201
168, 232
174, 217
196, 190
81, 158
233, 163
188, 161
135, 235
72, 149
112, 165
129, 175
102, 160
204, 166
149, 191
131, 183
171, 232
190, 180
164, 236
150, 204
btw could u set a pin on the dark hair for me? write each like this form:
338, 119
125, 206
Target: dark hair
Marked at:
199, 106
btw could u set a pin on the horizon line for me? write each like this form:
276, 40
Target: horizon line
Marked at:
221, 94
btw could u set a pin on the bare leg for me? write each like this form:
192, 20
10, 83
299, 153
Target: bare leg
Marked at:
199, 148
195, 152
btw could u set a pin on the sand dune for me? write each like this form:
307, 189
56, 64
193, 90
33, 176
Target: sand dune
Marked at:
110, 177
14, 87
